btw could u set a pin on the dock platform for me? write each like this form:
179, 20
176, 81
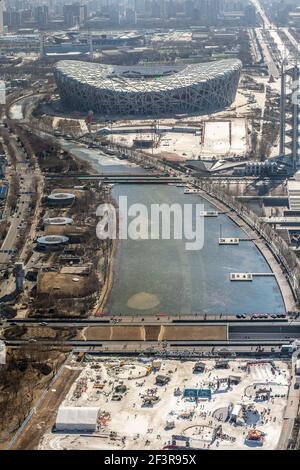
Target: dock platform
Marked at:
248, 276
229, 241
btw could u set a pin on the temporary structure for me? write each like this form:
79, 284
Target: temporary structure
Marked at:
72, 418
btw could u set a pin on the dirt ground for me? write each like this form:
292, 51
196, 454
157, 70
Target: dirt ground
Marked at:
22, 385
156, 333
115, 333
45, 416
201, 333
152, 332
64, 285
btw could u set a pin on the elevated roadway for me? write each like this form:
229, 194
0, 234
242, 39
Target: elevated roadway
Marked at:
286, 221
291, 38
20, 215
233, 334
278, 200
285, 332
121, 178
17, 343
138, 321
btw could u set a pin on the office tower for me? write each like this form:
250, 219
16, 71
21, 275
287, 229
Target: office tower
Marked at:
1, 16
41, 15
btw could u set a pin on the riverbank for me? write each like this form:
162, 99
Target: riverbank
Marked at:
108, 282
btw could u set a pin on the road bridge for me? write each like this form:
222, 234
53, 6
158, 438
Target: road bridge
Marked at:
286, 221
135, 178
280, 332
234, 334
272, 200
138, 321
123, 345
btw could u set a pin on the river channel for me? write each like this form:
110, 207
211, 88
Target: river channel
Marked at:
162, 277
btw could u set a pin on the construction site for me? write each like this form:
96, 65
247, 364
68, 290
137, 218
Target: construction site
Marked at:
128, 403
187, 142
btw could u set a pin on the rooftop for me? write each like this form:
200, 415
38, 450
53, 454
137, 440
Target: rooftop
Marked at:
154, 78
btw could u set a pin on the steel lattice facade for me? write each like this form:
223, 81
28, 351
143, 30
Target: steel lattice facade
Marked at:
114, 90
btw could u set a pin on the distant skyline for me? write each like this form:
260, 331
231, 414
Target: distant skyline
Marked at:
101, 13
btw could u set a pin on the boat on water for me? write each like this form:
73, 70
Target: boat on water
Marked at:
229, 241
191, 191
209, 213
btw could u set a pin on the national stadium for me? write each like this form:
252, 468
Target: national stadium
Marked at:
147, 90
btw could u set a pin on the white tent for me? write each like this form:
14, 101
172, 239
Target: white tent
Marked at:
72, 418
236, 411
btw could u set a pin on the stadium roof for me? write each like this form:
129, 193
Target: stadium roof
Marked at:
114, 78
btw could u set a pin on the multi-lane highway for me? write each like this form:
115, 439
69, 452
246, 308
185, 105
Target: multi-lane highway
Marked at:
238, 333
261, 11
268, 58
259, 332
17, 221
151, 321
291, 38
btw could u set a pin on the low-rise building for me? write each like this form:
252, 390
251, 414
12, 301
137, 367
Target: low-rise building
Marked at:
80, 419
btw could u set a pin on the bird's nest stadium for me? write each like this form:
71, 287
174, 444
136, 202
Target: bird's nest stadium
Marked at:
147, 90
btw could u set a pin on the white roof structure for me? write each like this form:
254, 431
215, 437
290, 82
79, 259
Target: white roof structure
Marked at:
72, 418
236, 410
121, 78
156, 89
52, 240
58, 221
61, 196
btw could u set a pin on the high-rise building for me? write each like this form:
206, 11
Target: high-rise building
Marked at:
250, 15
156, 9
75, 14
130, 16
41, 15
213, 8
1, 17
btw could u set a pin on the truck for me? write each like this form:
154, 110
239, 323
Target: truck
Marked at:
287, 349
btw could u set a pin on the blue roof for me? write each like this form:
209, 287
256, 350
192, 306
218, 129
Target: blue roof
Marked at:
3, 191
197, 393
